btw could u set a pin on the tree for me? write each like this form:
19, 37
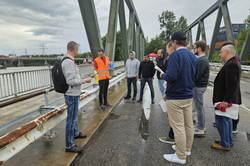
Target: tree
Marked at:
242, 36
169, 24
118, 47
154, 45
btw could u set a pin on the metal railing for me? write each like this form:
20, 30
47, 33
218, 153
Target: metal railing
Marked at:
16, 83
16, 140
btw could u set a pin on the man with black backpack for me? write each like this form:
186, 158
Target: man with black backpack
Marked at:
72, 95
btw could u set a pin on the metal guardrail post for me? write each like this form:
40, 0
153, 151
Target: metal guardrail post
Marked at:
14, 84
44, 110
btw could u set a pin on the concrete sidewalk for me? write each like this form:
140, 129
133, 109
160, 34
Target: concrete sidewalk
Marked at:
43, 152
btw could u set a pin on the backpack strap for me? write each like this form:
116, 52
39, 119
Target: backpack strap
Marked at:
66, 57
63, 60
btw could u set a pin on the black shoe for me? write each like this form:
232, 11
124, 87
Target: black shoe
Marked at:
107, 105
102, 108
127, 97
81, 136
153, 101
134, 98
140, 100
74, 149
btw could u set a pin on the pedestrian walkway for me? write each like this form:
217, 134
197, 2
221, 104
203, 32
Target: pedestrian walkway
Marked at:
43, 152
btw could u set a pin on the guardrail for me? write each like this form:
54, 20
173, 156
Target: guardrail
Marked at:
13, 142
245, 69
14, 84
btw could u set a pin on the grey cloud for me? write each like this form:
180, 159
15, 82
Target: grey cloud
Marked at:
45, 31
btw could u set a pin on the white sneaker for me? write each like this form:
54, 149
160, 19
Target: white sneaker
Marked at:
199, 132
174, 158
235, 131
187, 153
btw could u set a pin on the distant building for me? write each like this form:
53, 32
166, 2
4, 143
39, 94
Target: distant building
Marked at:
222, 36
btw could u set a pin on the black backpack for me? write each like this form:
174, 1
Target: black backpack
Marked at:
58, 78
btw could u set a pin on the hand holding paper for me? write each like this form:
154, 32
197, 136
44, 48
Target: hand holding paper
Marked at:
158, 69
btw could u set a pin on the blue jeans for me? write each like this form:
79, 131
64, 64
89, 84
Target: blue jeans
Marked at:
150, 84
161, 86
199, 109
225, 128
133, 81
71, 120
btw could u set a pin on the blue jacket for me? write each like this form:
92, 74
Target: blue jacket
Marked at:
180, 74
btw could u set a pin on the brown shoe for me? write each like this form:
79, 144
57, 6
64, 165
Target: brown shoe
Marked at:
218, 141
219, 147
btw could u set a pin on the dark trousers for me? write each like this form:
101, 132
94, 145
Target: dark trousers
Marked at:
150, 84
235, 122
133, 81
171, 133
103, 86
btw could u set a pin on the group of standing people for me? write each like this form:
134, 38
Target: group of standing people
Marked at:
186, 74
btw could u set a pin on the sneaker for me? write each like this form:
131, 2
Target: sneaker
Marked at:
127, 97
167, 140
218, 141
219, 147
74, 149
235, 131
174, 158
153, 101
187, 153
107, 105
102, 108
134, 98
199, 132
140, 100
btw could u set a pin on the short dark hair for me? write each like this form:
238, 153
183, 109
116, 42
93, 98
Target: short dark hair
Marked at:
201, 44
146, 55
162, 51
181, 42
101, 50
170, 43
71, 46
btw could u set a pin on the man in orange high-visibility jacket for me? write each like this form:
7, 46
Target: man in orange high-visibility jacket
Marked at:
101, 66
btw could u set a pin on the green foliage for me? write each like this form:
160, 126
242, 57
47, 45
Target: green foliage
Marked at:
154, 45
169, 24
118, 47
216, 56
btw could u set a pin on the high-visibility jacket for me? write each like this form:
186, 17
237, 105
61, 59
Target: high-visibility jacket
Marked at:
102, 69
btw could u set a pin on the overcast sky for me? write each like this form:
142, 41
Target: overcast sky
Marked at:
27, 24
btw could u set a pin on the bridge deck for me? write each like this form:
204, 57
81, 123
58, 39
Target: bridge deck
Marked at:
43, 152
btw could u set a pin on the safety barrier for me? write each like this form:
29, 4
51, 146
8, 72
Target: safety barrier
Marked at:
14, 84
13, 142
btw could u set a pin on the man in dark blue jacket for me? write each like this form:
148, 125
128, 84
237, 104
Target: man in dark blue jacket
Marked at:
180, 76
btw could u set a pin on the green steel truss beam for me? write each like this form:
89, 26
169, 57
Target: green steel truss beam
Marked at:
215, 34
246, 47
111, 35
123, 26
133, 40
90, 21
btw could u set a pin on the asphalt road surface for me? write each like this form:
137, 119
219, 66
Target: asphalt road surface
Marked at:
130, 137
